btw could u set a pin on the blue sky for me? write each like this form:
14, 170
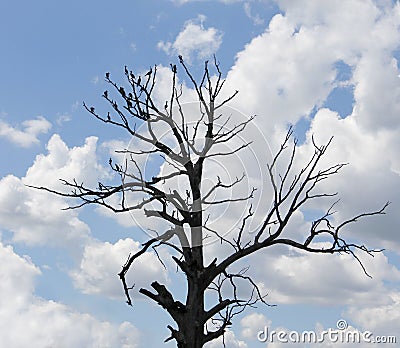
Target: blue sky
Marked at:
329, 68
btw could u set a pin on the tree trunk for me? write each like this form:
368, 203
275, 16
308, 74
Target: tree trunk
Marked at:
193, 327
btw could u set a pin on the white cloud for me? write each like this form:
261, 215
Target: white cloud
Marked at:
372, 171
379, 319
291, 65
289, 70
256, 18
298, 277
377, 92
283, 75
293, 80
29, 321
229, 340
252, 324
62, 162
194, 41
28, 135
63, 118
36, 217
101, 262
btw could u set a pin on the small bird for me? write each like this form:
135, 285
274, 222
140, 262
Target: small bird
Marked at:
122, 91
149, 72
105, 94
92, 109
107, 75
110, 161
173, 67
166, 105
108, 116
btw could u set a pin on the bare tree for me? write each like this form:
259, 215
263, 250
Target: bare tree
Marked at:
187, 152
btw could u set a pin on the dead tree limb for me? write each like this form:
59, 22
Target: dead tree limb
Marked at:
136, 111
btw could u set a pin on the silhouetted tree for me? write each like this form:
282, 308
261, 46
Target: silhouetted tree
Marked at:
186, 153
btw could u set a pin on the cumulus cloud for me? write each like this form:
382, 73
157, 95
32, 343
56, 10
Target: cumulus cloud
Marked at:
62, 162
28, 135
36, 217
228, 340
251, 324
287, 73
293, 80
101, 262
194, 41
372, 172
315, 36
298, 277
27, 320
379, 319
283, 75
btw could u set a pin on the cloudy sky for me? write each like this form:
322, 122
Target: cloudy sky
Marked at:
330, 68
